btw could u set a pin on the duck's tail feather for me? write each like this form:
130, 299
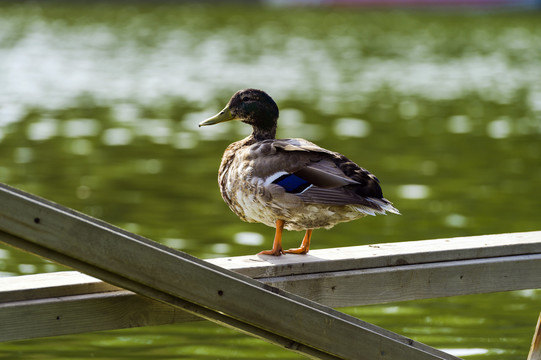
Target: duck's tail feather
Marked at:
379, 206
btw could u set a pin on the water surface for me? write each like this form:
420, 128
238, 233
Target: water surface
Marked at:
99, 107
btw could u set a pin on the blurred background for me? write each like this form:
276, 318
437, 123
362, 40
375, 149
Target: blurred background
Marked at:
99, 106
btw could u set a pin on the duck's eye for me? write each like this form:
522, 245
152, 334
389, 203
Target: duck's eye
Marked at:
245, 99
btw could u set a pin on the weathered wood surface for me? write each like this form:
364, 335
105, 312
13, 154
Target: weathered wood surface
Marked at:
385, 255
413, 282
535, 349
84, 313
513, 263
50, 285
198, 287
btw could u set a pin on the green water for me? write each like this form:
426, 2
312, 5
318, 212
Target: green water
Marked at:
99, 108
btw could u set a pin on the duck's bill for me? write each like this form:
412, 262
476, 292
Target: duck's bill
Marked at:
224, 115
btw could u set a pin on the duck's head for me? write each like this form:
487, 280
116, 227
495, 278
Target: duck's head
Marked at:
251, 106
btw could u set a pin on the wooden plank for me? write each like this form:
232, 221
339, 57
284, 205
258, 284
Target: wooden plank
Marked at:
337, 288
148, 268
75, 314
48, 285
414, 282
535, 349
384, 255
340, 288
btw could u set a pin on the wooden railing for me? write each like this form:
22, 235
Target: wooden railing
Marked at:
145, 283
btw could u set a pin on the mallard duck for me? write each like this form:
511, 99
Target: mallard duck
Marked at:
289, 184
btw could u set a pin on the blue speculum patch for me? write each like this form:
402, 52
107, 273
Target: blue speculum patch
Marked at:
292, 183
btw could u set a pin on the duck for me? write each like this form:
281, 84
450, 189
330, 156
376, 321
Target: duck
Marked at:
290, 184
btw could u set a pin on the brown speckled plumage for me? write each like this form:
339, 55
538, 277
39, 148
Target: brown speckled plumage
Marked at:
334, 189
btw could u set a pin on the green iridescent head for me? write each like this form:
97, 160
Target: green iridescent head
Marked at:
251, 106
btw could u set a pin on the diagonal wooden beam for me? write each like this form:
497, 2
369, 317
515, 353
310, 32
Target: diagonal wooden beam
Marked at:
205, 290
535, 349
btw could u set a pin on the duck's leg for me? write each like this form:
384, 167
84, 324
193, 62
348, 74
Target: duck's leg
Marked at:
277, 244
305, 245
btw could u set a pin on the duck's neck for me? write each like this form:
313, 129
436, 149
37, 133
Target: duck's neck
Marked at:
260, 134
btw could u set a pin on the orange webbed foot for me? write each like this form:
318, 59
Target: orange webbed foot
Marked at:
305, 245
296, 251
273, 252
277, 249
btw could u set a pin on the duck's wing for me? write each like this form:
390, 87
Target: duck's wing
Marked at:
317, 175
298, 145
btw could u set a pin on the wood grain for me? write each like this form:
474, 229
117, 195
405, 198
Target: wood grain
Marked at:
198, 287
